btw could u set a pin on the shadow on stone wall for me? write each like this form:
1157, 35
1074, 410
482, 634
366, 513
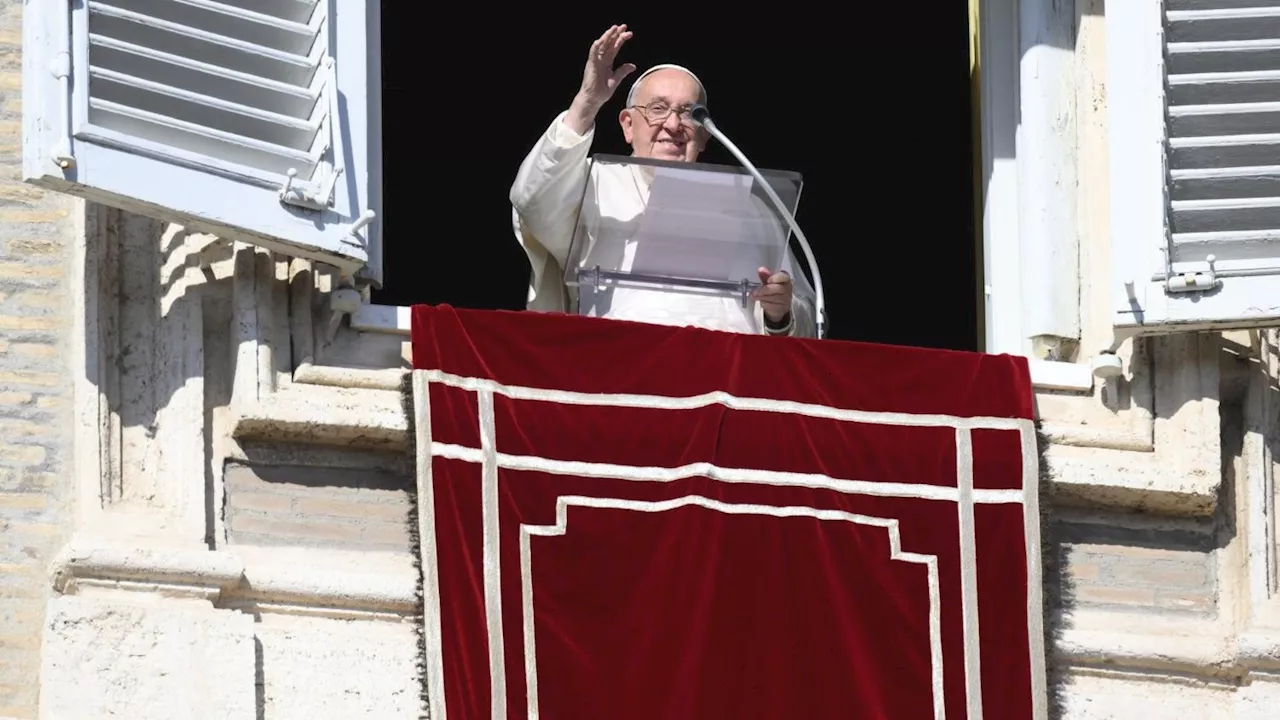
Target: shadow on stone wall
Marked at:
415, 542
1058, 591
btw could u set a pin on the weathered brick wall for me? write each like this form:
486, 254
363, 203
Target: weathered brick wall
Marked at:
323, 507
35, 389
1124, 563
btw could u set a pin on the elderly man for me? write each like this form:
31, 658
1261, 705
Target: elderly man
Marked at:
548, 190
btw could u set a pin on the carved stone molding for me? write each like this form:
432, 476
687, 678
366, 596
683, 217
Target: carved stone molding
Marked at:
298, 582
140, 444
1147, 442
282, 390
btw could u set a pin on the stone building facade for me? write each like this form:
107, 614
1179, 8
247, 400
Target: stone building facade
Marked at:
207, 494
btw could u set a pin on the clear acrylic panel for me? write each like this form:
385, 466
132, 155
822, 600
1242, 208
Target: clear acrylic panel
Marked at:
677, 227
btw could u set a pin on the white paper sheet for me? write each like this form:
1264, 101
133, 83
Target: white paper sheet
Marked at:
707, 225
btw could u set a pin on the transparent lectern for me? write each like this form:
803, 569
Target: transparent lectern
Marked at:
677, 227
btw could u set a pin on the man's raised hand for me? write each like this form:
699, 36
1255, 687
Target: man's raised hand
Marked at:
600, 79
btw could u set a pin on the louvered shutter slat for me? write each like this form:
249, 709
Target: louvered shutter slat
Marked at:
177, 39
1241, 182
296, 10
227, 21
212, 80
198, 138
1229, 56
1212, 89
129, 89
237, 91
1214, 123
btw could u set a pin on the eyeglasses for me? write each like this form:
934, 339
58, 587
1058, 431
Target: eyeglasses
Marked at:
658, 111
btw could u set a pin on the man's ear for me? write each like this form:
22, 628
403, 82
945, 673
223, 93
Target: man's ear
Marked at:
625, 120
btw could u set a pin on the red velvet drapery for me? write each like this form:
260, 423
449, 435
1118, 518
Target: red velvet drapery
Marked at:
623, 520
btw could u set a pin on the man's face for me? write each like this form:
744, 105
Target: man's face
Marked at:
673, 137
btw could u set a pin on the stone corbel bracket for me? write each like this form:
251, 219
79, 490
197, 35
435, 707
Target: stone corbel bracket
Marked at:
1159, 453
279, 391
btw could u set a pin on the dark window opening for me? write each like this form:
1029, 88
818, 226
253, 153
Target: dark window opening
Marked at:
876, 115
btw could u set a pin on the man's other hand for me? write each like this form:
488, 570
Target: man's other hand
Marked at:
774, 294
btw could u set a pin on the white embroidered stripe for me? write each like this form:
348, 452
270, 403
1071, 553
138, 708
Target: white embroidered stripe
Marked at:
526, 609
895, 553
662, 402
968, 574
492, 566
432, 638
1035, 607
776, 478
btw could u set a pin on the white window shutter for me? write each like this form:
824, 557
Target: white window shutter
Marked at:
250, 119
1193, 108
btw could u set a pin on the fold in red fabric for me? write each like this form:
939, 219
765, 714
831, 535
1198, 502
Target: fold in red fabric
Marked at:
635, 521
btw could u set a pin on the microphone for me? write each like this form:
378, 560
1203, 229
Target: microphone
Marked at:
699, 114
702, 118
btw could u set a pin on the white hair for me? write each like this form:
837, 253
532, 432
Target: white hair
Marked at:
631, 96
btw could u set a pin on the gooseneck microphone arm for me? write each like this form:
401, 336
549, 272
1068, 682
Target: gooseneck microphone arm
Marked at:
702, 118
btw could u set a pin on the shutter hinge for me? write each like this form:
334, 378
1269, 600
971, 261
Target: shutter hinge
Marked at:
302, 195
60, 68
62, 152
1198, 281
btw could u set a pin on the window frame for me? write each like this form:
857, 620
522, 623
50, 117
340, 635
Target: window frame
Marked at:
1002, 199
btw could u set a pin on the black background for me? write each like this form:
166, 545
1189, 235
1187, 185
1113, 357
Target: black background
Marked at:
873, 109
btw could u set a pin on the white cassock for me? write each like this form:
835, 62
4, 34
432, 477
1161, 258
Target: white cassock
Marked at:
547, 199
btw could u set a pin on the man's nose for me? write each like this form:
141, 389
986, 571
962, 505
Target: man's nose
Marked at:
672, 123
